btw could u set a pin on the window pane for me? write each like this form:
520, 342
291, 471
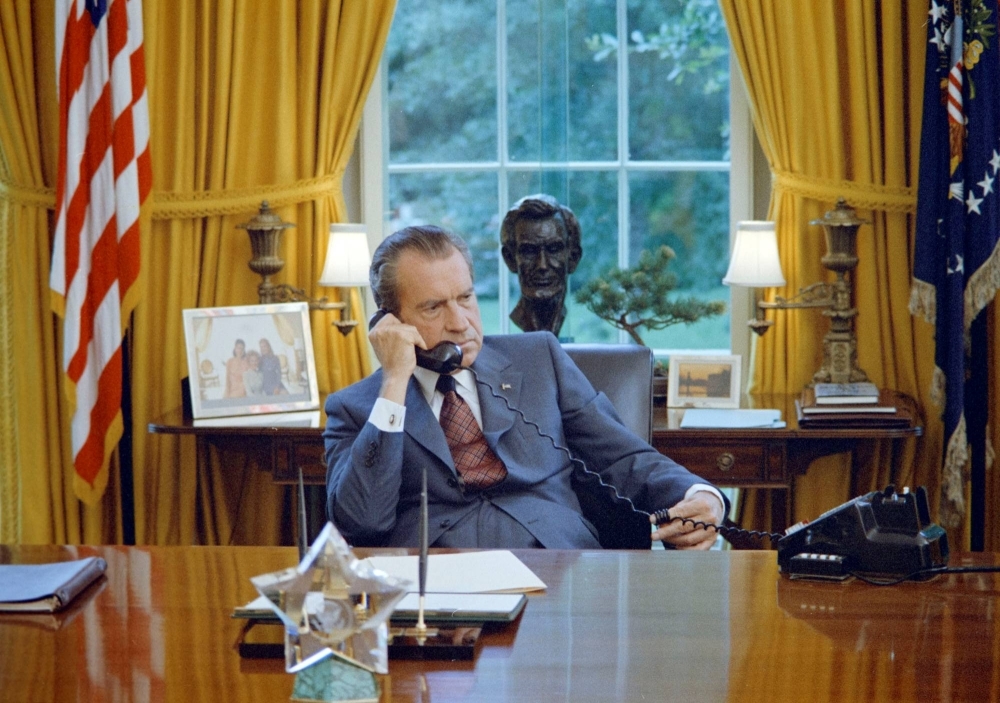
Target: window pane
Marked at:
441, 59
689, 212
678, 81
465, 204
561, 102
593, 198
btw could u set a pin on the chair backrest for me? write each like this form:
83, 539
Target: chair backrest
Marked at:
624, 373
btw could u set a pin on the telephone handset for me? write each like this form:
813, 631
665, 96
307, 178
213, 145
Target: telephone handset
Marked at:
445, 357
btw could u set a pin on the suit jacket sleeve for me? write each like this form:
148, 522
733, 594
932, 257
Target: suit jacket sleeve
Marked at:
596, 435
364, 469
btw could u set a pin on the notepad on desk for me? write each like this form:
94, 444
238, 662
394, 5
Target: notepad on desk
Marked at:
465, 586
494, 571
733, 419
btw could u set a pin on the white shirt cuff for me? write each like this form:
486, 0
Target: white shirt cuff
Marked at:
387, 415
708, 489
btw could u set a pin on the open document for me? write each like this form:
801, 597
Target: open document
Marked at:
497, 571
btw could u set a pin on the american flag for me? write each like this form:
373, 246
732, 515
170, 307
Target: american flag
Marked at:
104, 177
956, 268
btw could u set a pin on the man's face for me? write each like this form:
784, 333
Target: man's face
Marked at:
437, 297
542, 257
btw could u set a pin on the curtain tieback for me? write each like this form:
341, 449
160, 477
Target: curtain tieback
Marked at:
864, 196
29, 196
196, 204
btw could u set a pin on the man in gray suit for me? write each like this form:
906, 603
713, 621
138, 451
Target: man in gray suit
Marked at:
527, 420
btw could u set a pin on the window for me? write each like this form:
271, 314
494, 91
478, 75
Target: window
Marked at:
489, 101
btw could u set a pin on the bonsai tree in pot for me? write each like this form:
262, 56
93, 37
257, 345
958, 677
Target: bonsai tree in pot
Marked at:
639, 297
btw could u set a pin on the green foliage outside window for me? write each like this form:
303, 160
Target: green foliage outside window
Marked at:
640, 297
562, 106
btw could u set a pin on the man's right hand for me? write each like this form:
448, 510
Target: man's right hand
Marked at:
393, 342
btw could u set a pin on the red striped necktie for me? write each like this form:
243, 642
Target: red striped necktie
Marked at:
477, 465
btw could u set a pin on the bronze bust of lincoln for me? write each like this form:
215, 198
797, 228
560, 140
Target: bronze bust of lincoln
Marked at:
540, 242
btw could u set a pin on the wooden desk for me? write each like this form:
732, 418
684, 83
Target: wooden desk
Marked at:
745, 458
652, 626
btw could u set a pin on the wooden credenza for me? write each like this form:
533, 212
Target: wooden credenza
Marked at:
768, 458
742, 458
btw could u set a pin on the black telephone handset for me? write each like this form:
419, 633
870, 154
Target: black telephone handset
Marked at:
445, 357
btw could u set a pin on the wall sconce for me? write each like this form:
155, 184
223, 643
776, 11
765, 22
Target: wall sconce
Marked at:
347, 263
754, 263
265, 241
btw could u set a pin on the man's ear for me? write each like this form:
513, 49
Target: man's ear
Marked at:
508, 257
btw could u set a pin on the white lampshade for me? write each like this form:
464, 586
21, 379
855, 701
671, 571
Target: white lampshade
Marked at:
347, 257
754, 262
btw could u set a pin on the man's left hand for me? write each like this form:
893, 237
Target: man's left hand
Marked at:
701, 506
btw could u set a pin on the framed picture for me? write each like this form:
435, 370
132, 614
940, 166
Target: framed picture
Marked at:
704, 381
250, 360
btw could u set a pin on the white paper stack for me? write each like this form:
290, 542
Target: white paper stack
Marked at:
705, 418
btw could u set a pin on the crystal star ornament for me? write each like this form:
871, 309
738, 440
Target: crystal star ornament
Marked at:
333, 604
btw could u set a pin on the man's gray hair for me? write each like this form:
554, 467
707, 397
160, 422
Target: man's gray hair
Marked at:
427, 240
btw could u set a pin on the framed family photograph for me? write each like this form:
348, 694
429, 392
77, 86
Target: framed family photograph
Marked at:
250, 360
704, 381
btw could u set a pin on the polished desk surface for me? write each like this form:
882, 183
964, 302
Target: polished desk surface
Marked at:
636, 626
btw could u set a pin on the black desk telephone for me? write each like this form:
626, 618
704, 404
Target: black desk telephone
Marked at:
442, 358
882, 537
885, 533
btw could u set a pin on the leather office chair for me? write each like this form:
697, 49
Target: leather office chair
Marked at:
624, 373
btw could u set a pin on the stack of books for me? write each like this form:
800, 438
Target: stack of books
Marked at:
852, 405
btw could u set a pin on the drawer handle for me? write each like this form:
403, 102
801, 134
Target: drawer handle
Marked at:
725, 461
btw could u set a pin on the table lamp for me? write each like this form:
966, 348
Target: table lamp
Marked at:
346, 266
754, 263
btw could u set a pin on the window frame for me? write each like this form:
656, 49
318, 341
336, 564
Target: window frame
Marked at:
375, 171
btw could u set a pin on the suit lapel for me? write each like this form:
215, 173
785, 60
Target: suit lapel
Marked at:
499, 384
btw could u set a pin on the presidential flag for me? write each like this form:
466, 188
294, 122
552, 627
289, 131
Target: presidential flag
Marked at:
104, 177
956, 268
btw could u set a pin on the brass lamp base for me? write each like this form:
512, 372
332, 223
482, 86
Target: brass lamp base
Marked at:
265, 240
840, 347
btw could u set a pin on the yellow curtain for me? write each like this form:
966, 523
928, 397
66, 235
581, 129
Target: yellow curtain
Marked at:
259, 93
836, 92
248, 101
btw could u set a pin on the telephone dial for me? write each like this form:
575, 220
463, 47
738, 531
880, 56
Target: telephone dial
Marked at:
444, 358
